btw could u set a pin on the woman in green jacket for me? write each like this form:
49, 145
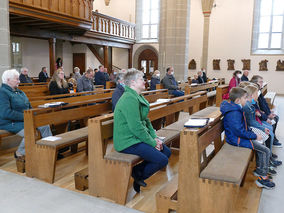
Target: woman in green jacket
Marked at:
133, 131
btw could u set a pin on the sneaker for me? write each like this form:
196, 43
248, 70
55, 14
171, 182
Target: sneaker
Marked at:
275, 163
272, 172
264, 183
274, 156
277, 144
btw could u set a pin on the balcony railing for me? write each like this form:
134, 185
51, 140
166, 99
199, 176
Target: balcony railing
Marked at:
111, 26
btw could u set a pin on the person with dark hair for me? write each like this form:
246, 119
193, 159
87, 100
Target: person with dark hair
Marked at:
43, 76
234, 82
100, 78
133, 132
59, 63
171, 84
238, 134
85, 83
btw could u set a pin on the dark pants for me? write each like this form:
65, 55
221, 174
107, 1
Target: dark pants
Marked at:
276, 118
154, 160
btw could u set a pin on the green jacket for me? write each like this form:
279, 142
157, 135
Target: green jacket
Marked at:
131, 124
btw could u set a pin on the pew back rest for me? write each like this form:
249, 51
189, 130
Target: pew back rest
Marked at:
110, 84
221, 90
37, 90
188, 89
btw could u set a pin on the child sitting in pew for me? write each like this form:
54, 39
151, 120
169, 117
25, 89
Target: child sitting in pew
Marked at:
238, 134
250, 114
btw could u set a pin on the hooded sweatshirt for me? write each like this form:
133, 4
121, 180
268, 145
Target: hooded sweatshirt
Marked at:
236, 129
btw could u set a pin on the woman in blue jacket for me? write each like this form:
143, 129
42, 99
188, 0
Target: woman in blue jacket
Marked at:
155, 80
13, 102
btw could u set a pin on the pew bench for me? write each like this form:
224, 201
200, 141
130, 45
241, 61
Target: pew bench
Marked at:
208, 181
270, 97
103, 165
41, 154
220, 91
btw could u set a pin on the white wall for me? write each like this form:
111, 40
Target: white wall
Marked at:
230, 38
35, 55
120, 57
121, 9
67, 58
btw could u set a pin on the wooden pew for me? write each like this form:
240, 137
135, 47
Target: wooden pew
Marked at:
41, 154
33, 84
221, 90
206, 182
35, 90
104, 166
110, 85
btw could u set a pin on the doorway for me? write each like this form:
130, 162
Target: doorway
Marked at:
79, 60
148, 60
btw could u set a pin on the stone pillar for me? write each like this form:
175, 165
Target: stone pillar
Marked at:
174, 37
206, 9
5, 55
130, 53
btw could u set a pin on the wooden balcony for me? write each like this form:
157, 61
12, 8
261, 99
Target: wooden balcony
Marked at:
73, 13
104, 26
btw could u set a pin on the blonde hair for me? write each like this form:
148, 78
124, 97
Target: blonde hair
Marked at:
61, 83
251, 89
243, 84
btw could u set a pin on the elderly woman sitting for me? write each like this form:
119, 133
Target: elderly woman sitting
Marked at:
133, 131
13, 102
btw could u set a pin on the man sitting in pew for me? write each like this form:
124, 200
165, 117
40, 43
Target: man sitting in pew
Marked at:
43, 76
133, 132
13, 102
237, 134
195, 80
119, 90
85, 83
24, 78
100, 78
171, 84
202, 78
263, 105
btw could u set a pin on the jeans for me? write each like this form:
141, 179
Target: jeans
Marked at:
154, 160
44, 131
269, 126
177, 93
263, 155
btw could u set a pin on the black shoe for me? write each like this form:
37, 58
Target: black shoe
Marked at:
138, 180
274, 156
136, 187
277, 144
272, 172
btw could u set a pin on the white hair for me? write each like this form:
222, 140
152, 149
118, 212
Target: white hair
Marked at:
24, 68
9, 74
76, 69
132, 75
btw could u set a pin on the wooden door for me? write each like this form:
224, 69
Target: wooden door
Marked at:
79, 60
149, 60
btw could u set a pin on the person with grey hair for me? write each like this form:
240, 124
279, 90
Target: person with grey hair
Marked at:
85, 83
13, 102
24, 78
77, 73
119, 90
43, 76
133, 132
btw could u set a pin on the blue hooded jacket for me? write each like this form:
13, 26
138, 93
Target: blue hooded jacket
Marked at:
236, 130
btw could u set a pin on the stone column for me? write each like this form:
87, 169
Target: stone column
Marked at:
174, 37
5, 57
206, 9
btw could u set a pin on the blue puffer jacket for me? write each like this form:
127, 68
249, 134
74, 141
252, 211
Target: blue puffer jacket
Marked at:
154, 81
12, 106
236, 130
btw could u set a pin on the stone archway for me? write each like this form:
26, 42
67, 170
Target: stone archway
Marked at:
139, 51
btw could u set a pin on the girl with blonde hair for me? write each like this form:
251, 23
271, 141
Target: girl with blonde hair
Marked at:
58, 84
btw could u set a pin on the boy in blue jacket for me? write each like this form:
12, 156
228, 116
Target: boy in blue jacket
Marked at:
238, 134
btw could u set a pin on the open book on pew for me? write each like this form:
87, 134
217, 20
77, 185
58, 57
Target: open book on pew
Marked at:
197, 122
52, 104
160, 100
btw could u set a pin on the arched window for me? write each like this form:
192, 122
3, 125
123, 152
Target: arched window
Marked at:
268, 27
147, 20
